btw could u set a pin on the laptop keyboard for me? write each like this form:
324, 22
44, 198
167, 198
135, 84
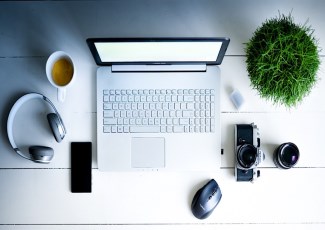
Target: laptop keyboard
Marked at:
158, 111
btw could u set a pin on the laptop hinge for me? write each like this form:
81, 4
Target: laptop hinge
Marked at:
160, 68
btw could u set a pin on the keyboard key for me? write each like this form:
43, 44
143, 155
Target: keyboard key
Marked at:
120, 129
169, 121
109, 113
114, 129
178, 129
188, 113
107, 129
110, 121
188, 98
106, 98
151, 121
107, 106
163, 129
144, 129
190, 106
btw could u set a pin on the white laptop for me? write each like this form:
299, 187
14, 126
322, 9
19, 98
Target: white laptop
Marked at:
158, 104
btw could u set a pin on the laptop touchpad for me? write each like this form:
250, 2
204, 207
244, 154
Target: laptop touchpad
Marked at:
148, 152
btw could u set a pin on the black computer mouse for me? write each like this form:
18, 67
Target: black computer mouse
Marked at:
206, 200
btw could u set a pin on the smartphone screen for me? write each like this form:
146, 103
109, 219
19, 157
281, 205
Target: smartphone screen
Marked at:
81, 156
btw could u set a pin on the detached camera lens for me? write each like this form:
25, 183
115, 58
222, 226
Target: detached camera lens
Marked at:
246, 156
286, 155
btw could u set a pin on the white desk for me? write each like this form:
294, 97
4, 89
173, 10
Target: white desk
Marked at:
34, 196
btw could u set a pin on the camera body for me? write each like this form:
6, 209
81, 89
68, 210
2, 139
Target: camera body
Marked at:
248, 154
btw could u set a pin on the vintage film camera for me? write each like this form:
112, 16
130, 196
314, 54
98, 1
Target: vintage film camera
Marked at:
247, 152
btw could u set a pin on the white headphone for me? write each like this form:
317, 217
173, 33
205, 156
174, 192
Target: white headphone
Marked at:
38, 154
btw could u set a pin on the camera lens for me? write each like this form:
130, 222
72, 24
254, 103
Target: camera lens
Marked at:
246, 155
286, 155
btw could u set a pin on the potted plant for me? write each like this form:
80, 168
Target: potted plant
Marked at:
283, 60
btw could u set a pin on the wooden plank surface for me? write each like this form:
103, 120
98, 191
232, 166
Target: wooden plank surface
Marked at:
42, 196
47, 26
306, 226
38, 196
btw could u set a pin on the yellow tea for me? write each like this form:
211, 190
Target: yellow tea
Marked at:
62, 72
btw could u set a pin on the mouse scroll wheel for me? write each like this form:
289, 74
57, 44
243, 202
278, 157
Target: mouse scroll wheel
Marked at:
214, 192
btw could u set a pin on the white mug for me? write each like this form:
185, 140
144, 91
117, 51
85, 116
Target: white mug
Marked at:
60, 72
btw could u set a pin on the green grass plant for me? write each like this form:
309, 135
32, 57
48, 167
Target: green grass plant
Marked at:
282, 60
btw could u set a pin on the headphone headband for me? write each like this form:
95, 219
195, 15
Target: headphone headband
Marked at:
13, 113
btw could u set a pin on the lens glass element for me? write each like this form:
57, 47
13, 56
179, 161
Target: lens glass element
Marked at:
247, 155
289, 155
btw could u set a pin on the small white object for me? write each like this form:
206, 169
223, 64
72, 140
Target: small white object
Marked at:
237, 99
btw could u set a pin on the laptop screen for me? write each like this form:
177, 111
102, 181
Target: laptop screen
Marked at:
126, 51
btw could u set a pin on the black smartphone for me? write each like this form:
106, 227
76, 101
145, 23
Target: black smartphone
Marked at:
81, 156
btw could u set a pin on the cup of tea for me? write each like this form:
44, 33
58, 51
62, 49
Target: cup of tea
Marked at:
60, 72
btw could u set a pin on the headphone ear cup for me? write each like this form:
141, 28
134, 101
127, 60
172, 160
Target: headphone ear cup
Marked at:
41, 154
56, 126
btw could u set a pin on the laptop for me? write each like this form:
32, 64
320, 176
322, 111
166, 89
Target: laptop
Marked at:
158, 103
